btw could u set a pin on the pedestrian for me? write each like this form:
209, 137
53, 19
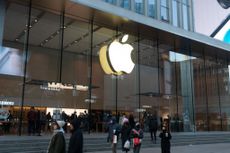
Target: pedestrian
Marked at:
76, 139
113, 134
165, 140
125, 136
137, 136
31, 116
153, 125
57, 143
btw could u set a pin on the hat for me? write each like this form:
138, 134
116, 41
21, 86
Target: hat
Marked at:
125, 120
60, 123
137, 124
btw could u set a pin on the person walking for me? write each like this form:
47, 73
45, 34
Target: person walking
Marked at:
137, 135
125, 136
31, 116
153, 125
76, 139
113, 134
57, 143
165, 140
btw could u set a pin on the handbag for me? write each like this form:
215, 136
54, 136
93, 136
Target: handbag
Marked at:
127, 144
136, 141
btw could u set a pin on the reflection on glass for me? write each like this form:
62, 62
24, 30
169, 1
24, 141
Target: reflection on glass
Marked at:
125, 4
185, 17
175, 14
152, 8
111, 1
164, 10
139, 6
178, 57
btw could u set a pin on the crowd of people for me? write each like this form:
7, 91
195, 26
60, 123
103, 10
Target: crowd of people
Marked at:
131, 133
120, 128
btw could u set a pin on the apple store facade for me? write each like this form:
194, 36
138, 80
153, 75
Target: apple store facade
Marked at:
49, 59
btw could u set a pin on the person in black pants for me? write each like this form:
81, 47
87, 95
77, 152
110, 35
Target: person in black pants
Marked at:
165, 140
153, 125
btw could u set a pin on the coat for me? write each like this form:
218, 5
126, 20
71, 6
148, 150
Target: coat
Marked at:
76, 139
125, 135
165, 142
57, 143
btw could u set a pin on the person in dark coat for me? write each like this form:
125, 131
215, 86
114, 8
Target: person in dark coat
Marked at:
153, 125
76, 139
125, 135
57, 142
113, 134
165, 140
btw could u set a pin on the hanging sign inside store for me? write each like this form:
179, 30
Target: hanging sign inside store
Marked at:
116, 58
54, 86
7, 103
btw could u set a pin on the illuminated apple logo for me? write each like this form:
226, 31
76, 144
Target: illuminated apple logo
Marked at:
116, 58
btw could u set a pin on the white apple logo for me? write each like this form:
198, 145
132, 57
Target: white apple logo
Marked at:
116, 59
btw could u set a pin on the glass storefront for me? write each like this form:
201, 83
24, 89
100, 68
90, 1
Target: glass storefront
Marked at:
50, 60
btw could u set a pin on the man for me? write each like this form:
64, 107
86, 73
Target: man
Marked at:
76, 139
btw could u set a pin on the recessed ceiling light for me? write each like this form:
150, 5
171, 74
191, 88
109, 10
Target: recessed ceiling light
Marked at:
36, 20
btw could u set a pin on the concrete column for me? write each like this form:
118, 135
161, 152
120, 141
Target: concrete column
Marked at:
2, 21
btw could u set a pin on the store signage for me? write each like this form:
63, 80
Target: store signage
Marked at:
7, 103
54, 86
116, 57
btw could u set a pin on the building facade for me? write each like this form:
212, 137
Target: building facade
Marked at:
50, 60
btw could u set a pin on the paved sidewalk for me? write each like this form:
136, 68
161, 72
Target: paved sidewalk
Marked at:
206, 148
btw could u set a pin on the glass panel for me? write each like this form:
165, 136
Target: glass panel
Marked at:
104, 91
111, 1
200, 96
149, 83
125, 4
43, 68
152, 8
223, 80
164, 10
185, 13
12, 55
168, 106
175, 14
139, 6
212, 92
184, 88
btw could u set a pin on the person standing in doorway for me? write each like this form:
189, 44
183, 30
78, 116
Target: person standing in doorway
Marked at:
57, 143
165, 140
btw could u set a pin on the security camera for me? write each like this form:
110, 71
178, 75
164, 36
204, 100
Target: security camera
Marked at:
224, 3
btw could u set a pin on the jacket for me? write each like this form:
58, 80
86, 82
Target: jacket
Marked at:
76, 139
57, 143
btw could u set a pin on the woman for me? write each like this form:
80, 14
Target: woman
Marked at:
137, 136
125, 136
57, 142
76, 139
165, 140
